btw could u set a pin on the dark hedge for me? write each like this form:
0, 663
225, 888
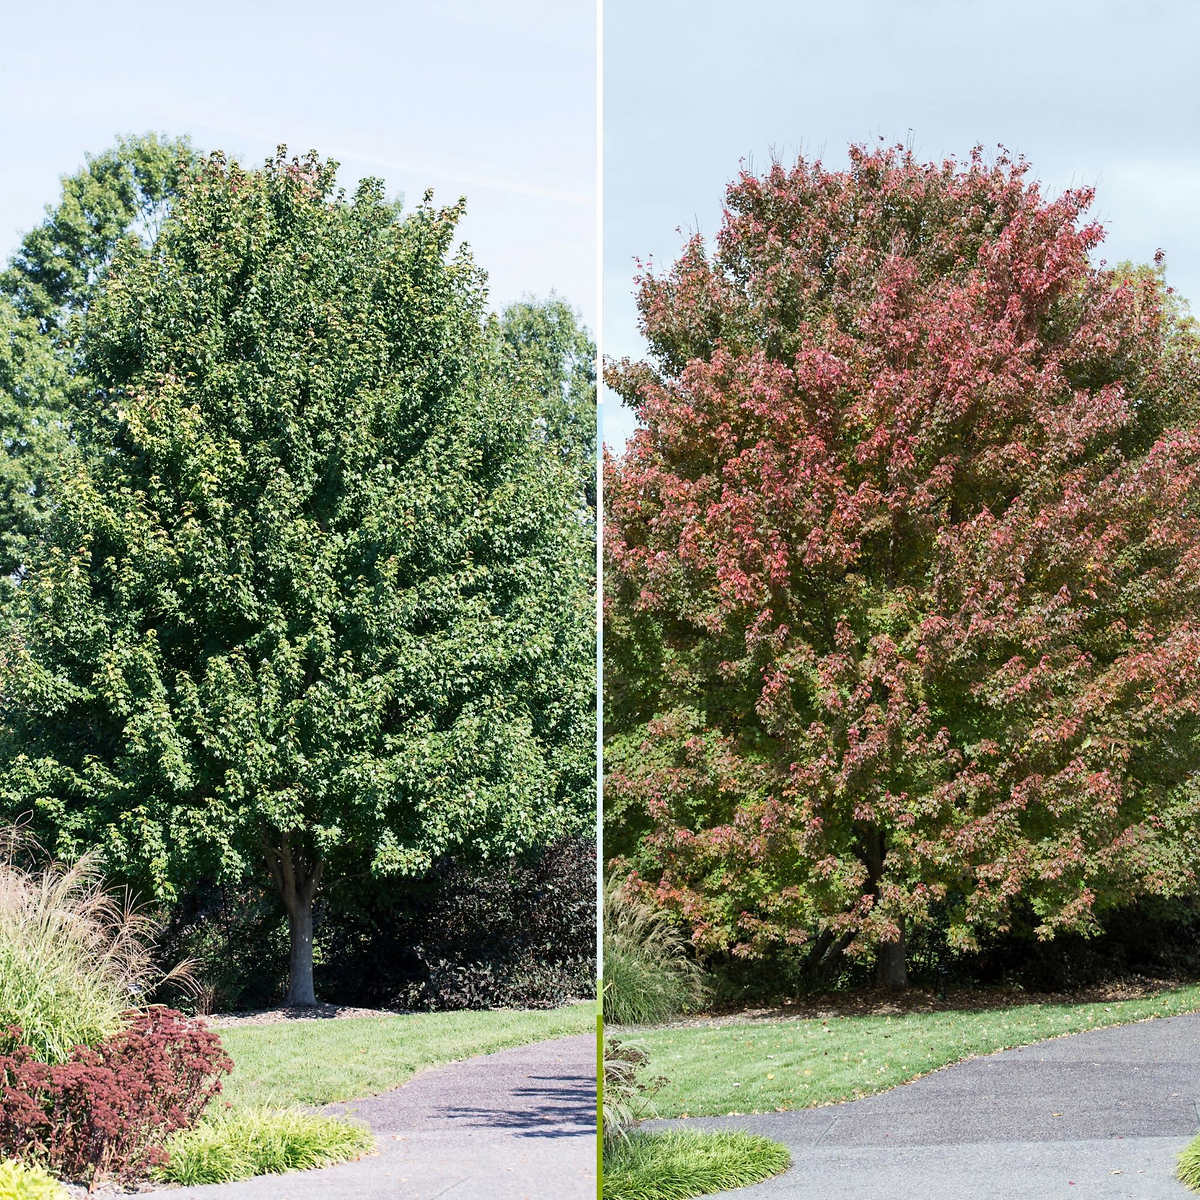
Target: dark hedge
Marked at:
517, 932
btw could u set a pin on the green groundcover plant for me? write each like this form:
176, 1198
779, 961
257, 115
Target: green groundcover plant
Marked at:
1189, 1165
680, 1164
20, 1181
241, 1143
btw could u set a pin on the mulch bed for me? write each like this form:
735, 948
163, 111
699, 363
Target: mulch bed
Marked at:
78, 1190
271, 1016
878, 1002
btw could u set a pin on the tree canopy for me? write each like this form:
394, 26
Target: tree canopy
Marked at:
124, 191
904, 567
550, 346
34, 389
44, 291
314, 595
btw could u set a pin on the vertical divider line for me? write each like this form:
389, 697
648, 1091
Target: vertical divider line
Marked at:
599, 237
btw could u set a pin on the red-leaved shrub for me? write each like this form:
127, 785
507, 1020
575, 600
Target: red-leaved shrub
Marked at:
107, 1111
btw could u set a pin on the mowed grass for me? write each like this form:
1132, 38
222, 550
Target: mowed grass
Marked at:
317, 1062
767, 1066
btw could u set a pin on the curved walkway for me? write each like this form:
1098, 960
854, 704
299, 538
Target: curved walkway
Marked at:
505, 1126
1100, 1114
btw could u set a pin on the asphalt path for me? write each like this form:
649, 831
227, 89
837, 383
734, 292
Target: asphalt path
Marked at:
516, 1125
1100, 1114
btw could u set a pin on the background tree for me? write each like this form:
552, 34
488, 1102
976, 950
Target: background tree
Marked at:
904, 567
125, 191
307, 600
551, 347
44, 292
34, 385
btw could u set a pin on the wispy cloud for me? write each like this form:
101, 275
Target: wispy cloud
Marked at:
463, 180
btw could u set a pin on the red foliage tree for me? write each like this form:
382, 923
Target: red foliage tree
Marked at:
904, 567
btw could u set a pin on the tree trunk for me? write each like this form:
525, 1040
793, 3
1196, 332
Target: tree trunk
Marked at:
300, 992
891, 967
296, 882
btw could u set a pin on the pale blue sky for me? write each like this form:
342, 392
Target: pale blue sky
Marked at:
1098, 93
492, 100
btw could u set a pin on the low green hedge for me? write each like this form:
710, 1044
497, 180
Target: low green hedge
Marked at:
680, 1164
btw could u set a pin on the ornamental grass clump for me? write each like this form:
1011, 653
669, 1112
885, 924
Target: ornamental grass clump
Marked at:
649, 975
243, 1143
672, 1165
628, 1095
1188, 1169
74, 954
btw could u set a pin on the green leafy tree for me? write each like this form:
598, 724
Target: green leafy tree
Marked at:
33, 433
124, 191
552, 349
46, 287
316, 597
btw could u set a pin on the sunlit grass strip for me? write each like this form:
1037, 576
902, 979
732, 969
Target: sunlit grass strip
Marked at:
764, 1066
680, 1164
317, 1062
239, 1144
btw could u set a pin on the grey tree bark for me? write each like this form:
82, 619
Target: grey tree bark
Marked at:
296, 881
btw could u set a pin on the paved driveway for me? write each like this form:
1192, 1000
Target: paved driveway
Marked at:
517, 1125
1100, 1114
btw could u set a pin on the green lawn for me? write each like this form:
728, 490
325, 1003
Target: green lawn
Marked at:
764, 1066
316, 1062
